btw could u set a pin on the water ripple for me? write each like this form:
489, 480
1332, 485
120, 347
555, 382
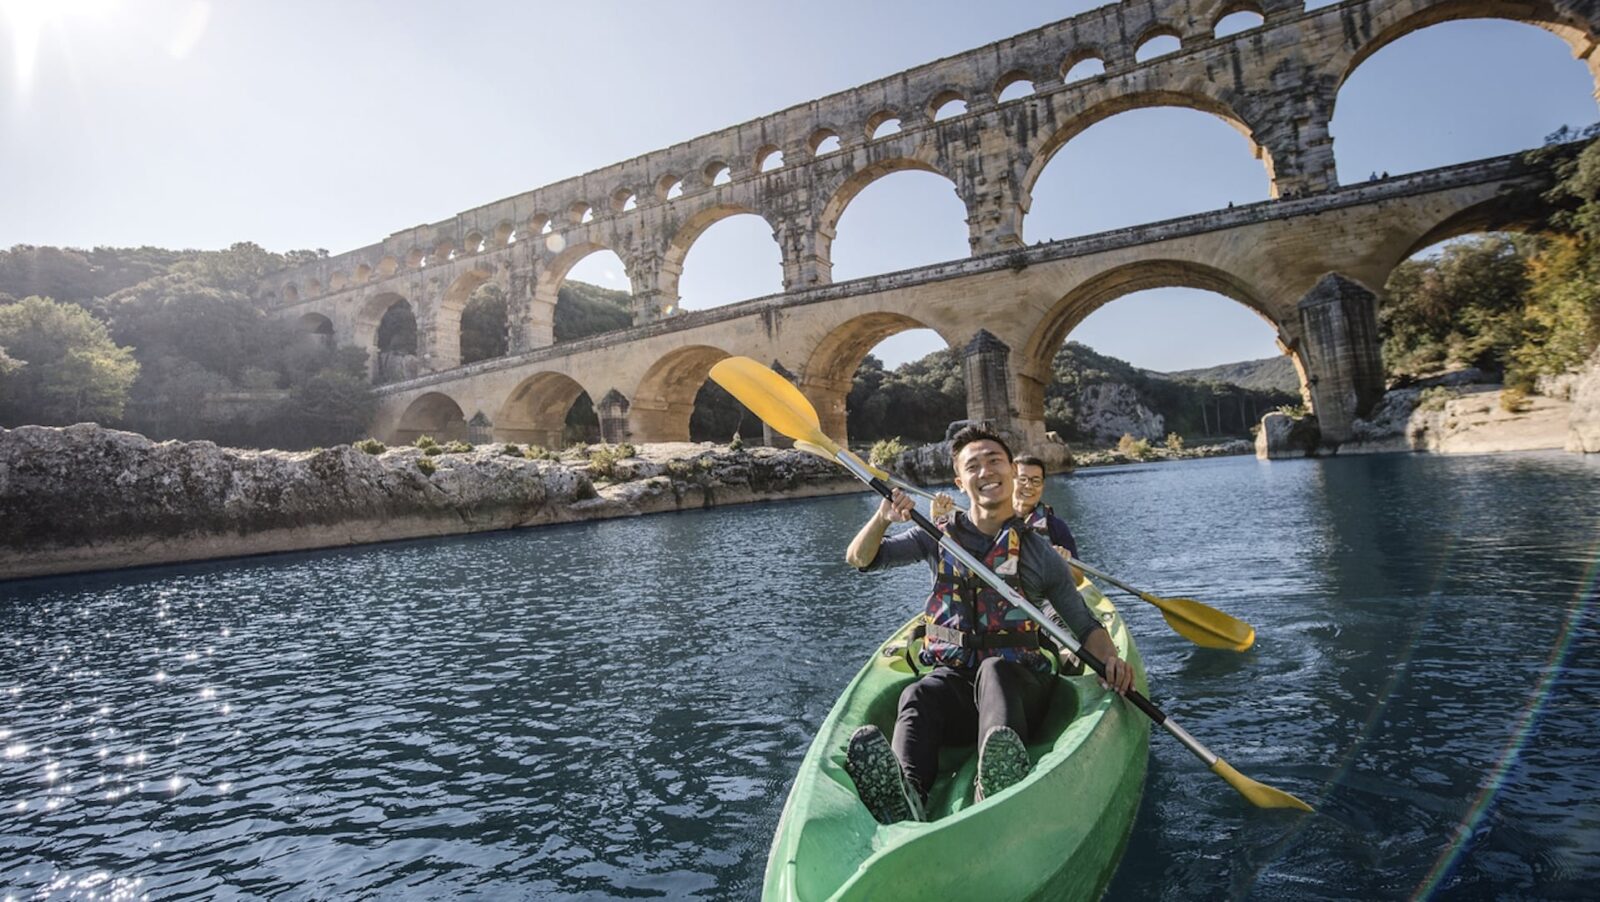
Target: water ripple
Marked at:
615, 710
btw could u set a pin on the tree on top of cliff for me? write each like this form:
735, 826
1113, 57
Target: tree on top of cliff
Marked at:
73, 371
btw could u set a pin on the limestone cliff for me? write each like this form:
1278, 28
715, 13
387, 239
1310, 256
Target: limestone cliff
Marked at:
85, 497
1106, 411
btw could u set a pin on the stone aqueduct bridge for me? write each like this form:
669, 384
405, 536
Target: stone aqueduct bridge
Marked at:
1308, 261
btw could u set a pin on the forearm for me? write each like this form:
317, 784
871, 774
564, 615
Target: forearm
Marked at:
1099, 644
864, 547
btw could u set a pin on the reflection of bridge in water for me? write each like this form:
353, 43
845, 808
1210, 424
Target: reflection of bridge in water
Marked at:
1308, 261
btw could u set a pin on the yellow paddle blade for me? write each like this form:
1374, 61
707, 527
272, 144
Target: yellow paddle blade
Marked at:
1204, 625
1260, 794
774, 399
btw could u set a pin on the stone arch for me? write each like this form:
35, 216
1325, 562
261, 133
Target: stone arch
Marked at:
416, 258
474, 243
363, 274
434, 414
338, 281
1507, 213
388, 364
536, 410
1052, 143
716, 172
1155, 32
291, 293
688, 233
829, 372
819, 137
388, 266
1081, 55
1010, 79
660, 407
539, 325
504, 233
1233, 8
942, 99
317, 325
878, 120
1390, 23
1033, 366
446, 327
854, 184
370, 313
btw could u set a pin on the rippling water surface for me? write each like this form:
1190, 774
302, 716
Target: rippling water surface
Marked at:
615, 709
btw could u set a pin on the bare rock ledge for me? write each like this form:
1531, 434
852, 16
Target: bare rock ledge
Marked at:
89, 498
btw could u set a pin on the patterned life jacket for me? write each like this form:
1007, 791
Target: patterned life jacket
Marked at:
967, 621
1039, 519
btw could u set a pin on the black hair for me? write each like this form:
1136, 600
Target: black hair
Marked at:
1027, 460
970, 434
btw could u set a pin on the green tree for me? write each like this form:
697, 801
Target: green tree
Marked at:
329, 408
1461, 308
74, 371
483, 324
583, 310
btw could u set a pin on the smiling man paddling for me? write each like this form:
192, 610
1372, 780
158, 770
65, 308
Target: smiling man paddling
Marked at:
988, 678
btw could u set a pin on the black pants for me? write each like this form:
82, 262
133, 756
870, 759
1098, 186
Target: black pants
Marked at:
958, 707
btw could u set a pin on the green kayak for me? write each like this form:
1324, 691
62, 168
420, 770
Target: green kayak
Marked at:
1058, 834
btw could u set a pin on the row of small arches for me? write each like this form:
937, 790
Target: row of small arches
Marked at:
1016, 84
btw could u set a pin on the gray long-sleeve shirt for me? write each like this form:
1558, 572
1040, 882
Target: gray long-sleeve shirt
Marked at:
1044, 575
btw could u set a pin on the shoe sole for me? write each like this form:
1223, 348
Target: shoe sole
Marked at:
1002, 763
871, 764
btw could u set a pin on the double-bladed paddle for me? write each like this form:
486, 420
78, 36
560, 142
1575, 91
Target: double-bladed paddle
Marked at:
1200, 623
780, 405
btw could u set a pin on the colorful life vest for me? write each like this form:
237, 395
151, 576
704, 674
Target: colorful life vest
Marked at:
967, 621
1038, 519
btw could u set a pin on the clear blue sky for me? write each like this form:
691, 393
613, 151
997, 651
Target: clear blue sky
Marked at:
183, 123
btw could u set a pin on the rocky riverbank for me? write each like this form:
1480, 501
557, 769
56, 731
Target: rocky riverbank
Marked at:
1459, 413
88, 498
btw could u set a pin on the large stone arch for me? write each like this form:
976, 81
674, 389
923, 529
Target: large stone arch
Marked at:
536, 410
316, 327
1034, 366
1050, 144
829, 372
364, 325
678, 247
434, 414
1503, 213
538, 321
1390, 22
445, 329
852, 184
660, 407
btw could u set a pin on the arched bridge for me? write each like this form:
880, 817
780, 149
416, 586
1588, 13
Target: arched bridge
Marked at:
1309, 260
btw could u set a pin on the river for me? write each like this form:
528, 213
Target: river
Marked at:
615, 709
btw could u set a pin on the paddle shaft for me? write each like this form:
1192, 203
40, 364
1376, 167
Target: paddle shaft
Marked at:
1098, 574
1060, 635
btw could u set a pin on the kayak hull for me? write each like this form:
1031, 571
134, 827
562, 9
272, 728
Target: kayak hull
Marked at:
1056, 835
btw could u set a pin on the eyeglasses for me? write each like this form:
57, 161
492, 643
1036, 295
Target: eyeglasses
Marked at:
1030, 480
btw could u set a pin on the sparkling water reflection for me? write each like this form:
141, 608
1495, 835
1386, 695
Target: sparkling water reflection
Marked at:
615, 709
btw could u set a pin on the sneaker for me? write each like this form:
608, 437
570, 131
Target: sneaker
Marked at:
883, 786
1002, 762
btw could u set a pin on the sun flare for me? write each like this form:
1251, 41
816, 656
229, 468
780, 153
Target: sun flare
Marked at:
27, 20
